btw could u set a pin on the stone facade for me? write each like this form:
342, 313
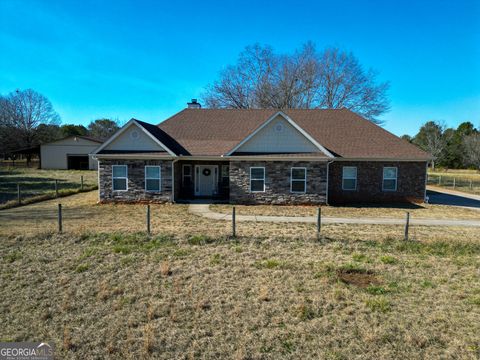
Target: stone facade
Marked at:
410, 182
277, 183
136, 181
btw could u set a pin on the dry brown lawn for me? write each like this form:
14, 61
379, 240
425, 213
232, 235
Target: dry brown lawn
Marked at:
105, 290
424, 211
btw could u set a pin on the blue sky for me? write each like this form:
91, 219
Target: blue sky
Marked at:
146, 59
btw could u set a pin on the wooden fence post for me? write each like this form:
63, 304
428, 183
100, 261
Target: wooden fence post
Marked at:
19, 195
56, 188
454, 183
234, 232
439, 180
319, 221
81, 183
148, 219
60, 225
407, 224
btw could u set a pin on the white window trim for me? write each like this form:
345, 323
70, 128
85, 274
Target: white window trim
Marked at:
126, 177
349, 178
183, 173
292, 179
257, 167
383, 178
159, 178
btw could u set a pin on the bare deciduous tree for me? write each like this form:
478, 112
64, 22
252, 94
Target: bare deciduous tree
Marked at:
21, 112
305, 79
472, 148
344, 83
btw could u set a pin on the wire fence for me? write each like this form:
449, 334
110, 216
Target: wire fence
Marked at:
16, 193
34, 164
469, 185
83, 216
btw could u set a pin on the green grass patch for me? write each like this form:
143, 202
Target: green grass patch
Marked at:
82, 268
376, 290
200, 240
378, 304
474, 300
358, 257
389, 260
268, 264
216, 259
13, 256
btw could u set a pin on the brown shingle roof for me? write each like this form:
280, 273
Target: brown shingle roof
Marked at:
342, 132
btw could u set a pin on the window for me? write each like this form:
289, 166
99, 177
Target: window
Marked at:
257, 179
119, 178
389, 179
225, 174
152, 178
225, 171
349, 178
298, 180
186, 175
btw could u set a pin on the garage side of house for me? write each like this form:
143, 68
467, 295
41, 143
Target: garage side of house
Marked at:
72, 153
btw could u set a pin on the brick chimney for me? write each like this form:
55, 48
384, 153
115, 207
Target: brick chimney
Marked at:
194, 104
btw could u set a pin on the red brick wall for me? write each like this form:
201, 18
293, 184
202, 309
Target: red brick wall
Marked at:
410, 182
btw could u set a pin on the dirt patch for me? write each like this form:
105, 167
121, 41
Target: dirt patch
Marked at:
360, 278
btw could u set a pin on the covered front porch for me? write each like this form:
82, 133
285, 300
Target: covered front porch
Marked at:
202, 180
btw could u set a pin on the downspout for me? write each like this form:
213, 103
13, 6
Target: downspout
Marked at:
425, 197
173, 179
98, 176
328, 176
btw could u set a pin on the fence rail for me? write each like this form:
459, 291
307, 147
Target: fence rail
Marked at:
454, 182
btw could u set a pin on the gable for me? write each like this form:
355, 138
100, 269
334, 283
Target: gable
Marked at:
133, 138
278, 136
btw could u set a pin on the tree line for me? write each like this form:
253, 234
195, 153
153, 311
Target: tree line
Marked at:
451, 148
27, 119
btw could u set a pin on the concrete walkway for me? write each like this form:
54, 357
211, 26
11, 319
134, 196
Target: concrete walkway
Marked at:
204, 211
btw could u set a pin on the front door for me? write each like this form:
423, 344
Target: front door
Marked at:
206, 179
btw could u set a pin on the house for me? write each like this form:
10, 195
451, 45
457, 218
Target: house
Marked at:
72, 152
260, 156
